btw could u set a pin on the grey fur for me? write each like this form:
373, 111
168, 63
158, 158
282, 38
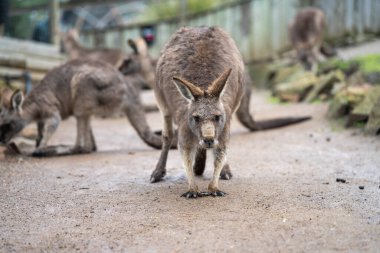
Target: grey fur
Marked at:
205, 62
81, 88
306, 33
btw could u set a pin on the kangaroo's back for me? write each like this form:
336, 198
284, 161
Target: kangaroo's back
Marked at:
78, 85
306, 30
199, 55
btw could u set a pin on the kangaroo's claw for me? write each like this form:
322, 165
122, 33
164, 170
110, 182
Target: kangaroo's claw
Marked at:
191, 195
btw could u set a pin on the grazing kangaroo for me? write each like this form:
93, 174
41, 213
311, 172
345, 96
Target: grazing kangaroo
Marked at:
306, 33
199, 86
80, 88
135, 65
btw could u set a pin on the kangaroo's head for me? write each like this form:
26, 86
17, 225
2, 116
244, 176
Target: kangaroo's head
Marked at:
131, 63
11, 122
137, 61
206, 114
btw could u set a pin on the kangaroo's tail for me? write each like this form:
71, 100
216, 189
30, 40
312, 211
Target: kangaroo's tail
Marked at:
274, 123
246, 119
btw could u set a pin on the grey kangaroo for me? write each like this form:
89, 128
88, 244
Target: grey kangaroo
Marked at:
306, 33
138, 66
199, 86
80, 88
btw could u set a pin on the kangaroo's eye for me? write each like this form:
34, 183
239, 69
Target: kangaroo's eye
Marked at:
196, 118
217, 117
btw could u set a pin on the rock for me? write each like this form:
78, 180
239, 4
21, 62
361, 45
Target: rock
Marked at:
297, 89
373, 124
283, 72
325, 84
341, 180
363, 109
373, 77
356, 79
346, 99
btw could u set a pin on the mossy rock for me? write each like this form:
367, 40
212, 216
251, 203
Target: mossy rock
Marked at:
373, 77
346, 99
369, 101
325, 84
373, 124
347, 67
361, 111
283, 72
355, 79
297, 89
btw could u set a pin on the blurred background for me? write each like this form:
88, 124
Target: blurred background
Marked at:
258, 26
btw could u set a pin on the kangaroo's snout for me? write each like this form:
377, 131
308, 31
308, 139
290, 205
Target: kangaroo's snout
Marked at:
208, 142
208, 135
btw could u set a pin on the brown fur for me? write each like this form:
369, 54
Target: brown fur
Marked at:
200, 84
306, 33
79, 88
138, 66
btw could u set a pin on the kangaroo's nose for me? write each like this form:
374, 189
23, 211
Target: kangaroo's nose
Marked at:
209, 142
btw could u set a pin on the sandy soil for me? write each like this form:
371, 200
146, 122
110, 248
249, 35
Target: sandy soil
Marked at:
283, 196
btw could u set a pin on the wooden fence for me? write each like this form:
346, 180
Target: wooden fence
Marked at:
259, 27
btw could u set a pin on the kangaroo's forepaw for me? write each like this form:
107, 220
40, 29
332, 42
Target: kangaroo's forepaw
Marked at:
191, 194
217, 193
157, 176
43, 152
226, 174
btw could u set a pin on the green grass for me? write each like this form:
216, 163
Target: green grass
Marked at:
369, 63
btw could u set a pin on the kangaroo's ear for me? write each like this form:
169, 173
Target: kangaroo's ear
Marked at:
216, 88
6, 95
187, 89
17, 100
125, 66
133, 45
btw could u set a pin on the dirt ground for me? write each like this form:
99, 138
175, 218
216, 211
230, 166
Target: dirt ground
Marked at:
283, 196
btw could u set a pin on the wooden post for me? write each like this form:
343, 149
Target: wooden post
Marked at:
54, 21
182, 12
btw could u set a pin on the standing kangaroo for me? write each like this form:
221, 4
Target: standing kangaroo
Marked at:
199, 86
80, 88
306, 34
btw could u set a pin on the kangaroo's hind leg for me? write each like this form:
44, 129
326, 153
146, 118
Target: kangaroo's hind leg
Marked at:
85, 142
167, 138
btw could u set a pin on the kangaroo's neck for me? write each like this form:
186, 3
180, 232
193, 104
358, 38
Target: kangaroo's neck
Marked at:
147, 69
31, 111
74, 48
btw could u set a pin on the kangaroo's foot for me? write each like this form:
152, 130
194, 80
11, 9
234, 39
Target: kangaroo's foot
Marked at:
82, 150
45, 151
60, 150
215, 193
157, 175
226, 174
191, 194
218, 193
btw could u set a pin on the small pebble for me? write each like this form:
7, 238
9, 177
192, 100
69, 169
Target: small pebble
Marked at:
328, 139
341, 180
361, 187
